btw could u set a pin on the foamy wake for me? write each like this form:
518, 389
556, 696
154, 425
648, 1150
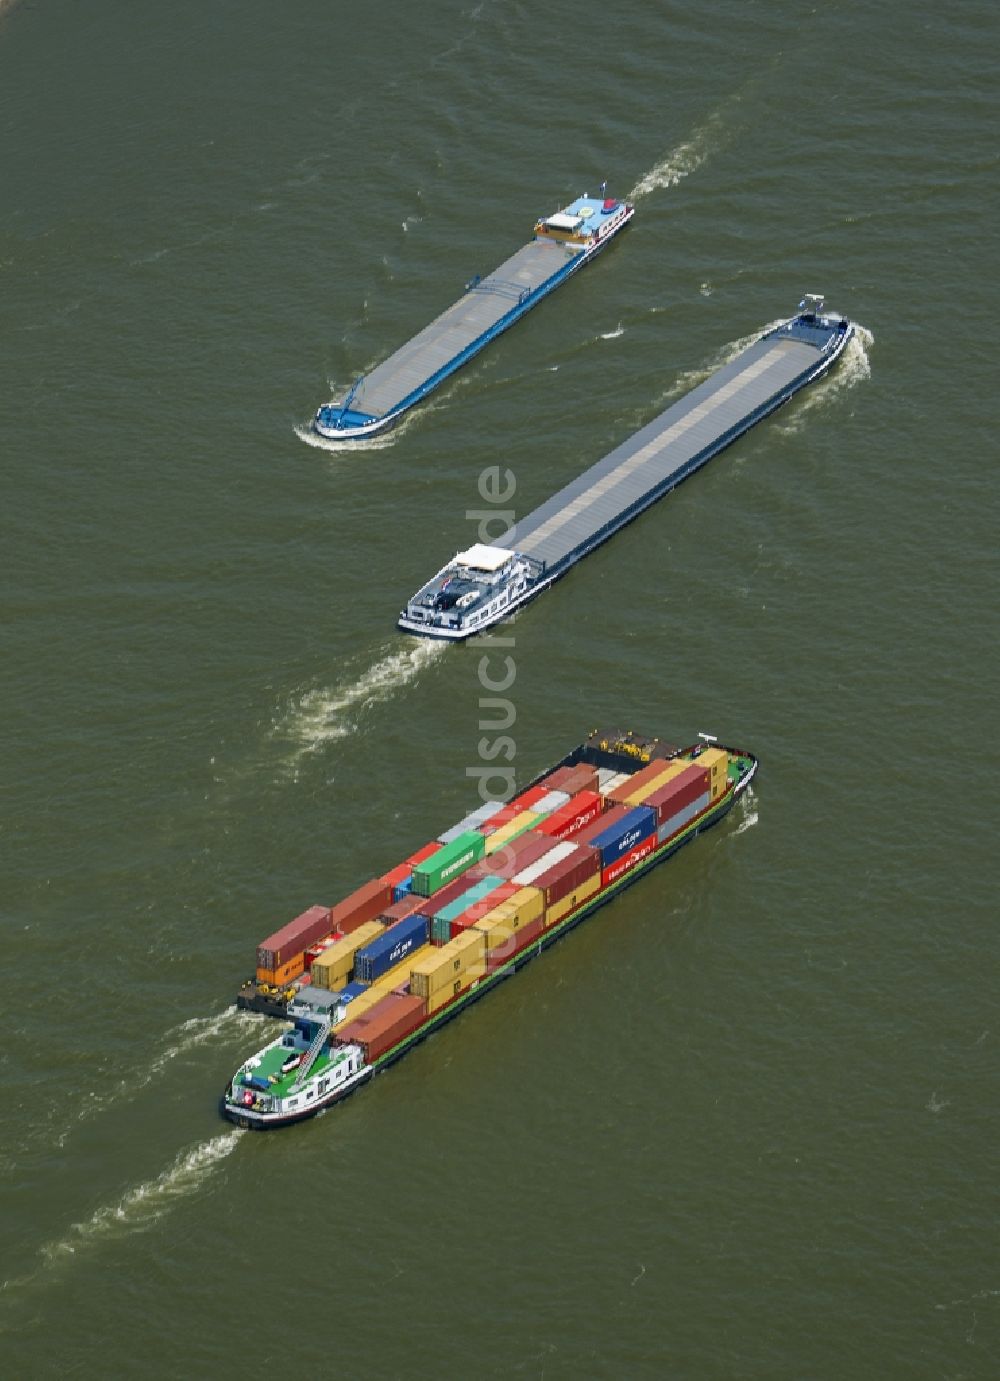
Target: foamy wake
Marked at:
187, 1036
321, 716
379, 442
687, 158
197, 1030
748, 808
853, 367
144, 1204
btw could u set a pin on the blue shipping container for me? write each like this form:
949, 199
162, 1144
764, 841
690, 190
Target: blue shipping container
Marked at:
391, 947
351, 991
633, 827
403, 889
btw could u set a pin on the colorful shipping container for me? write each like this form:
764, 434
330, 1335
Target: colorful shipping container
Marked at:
293, 939
361, 906
634, 790
388, 1022
391, 947
448, 863
569, 819
618, 831
622, 865
331, 968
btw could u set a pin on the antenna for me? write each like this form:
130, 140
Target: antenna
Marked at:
709, 738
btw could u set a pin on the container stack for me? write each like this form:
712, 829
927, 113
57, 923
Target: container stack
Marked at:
389, 1021
402, 947
281, 957
441, 974
717, 762
623, 837
332, 968
447, 863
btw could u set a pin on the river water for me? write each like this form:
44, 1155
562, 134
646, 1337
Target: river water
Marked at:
743, 1123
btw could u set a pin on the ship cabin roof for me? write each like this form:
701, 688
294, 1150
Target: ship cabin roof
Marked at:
580, 220
471, 576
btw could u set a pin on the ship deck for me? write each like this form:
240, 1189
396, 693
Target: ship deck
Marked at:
477, 312
649, 464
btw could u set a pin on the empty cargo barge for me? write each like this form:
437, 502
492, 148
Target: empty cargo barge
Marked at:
562, 243
485, 584
365, 980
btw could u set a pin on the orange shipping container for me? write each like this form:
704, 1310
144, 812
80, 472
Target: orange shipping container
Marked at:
285, 973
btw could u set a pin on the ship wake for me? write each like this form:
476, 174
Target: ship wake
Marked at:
144, 1204
749, 812
853, 367
706, 139
178, 1042
321, 716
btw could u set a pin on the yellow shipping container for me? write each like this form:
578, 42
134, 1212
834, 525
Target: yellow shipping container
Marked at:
459, 985
360, 1005
496, 926
522, 908
583, 893
717, 762
458, 959
331, 968
511, 830
399, 975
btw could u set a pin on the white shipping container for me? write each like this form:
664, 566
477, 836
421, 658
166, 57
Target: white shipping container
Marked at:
473, 821
551, 802
543, 864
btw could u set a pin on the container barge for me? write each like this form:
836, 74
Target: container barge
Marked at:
562, 244
485, 584
364, 981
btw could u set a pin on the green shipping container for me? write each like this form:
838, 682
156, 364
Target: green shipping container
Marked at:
448, 863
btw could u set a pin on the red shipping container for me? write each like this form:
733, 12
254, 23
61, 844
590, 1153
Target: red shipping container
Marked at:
483, 907
685, 788
582, 777
294, 938
363, 905
621, 865
397, 875
530, 798
562, 878
399, 910
638, 780
422, 854
512, 857
521, 939
569, 819
384, 1025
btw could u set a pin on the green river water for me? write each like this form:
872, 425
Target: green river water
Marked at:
743, 1123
